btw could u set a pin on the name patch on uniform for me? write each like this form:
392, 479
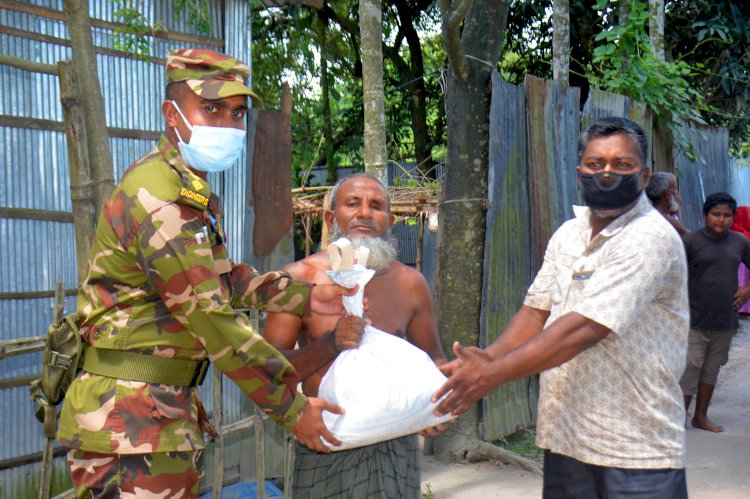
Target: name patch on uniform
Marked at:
582, 275
188, 194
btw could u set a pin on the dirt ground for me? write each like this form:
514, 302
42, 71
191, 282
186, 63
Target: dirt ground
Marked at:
716, 462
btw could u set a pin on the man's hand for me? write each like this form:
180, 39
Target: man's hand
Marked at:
310, 426
349, 331
325, 299
450, 368
740, 297
436, 431
471, 382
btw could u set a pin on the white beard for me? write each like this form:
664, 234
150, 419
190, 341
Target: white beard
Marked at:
674, 206
382, 249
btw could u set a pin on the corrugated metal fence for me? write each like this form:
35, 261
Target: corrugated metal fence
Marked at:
37, 253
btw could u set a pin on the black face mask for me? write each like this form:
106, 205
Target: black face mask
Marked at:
609, 191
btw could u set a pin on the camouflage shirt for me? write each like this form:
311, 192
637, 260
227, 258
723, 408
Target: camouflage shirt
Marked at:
160, 283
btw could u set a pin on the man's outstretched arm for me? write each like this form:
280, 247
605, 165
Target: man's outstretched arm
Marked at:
482, 371
524, 325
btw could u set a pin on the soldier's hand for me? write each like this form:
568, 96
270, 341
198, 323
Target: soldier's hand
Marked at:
310, 427
325, 299
349, 331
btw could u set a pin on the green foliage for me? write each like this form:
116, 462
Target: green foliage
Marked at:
522, 443
198, 14
428, 494
287, 46
713, 36
624, 63
135, 37
136, 34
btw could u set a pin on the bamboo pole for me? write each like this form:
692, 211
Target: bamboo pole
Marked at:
288, 460
260, 455
308, 236
48, 454
26, 65
219, 440
324, 231
420, 238
21, 346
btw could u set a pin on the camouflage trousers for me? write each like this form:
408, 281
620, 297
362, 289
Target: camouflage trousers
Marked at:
161, 474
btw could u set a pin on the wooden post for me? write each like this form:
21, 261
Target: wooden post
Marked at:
420, 237
288, 455
324, 231
308, 233
219, 440
83, 50
287, 100
81, 182
260, 455
49, 444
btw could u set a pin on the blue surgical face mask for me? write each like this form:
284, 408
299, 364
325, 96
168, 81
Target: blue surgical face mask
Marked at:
211, 148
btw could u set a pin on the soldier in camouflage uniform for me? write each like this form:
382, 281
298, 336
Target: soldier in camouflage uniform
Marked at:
160, 286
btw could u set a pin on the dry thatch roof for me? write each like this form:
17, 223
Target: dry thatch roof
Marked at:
414, 199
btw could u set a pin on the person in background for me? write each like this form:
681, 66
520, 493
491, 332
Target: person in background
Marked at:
161, 298
605, 322
742, 225
713, 255
664, 194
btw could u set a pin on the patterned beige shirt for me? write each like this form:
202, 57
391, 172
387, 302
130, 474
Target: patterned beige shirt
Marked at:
617, 404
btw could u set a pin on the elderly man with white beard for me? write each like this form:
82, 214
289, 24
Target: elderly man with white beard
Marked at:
399, 302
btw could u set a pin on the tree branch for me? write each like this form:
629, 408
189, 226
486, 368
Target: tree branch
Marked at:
452, 18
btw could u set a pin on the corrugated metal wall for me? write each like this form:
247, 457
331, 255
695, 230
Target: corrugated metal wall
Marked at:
553, 120
37, 254
508, 263
710, 173
739, 180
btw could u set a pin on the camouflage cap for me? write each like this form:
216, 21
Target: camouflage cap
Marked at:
209, 74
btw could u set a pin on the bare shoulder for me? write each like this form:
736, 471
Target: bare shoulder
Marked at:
409, 277
310, 269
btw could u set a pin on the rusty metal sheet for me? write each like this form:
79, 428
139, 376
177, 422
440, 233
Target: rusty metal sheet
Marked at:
601, 104
552, 127
507, 260
272, 180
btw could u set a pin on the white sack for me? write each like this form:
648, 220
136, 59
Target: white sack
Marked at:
386, 384
385, 387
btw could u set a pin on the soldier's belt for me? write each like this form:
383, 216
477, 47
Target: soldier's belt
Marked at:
141, 367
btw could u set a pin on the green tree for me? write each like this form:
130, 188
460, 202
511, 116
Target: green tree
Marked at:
713, 38
473, 33
625, 63
709, 38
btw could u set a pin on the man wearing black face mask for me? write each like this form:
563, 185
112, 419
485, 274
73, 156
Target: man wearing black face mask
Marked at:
605, 322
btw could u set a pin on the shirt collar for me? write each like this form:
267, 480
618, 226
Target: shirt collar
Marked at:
195, 191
